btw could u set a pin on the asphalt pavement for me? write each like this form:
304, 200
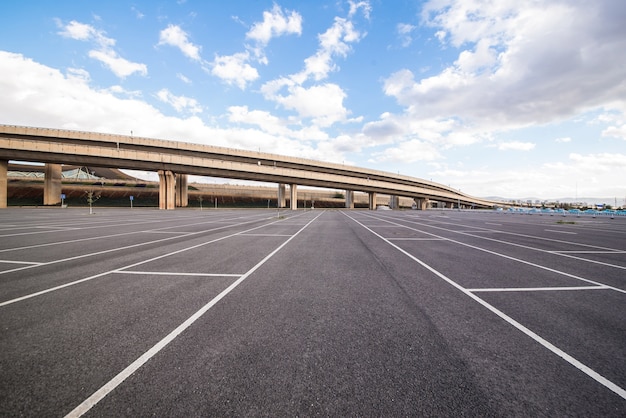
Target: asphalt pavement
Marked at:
311, 313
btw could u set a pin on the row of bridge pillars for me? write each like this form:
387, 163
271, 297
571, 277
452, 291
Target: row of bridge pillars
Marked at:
173, 191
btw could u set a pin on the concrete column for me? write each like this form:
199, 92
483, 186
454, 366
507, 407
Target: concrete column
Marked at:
372, 200
4, 168
349, 199
422, 204
394, 202
293, 190
167, 190
182, 191
282, 195
52, 184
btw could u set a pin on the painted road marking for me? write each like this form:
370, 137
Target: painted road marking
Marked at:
169, 273
560, 253
538, 289
561, 232
519, 260
545, 343
52, 289
97, 396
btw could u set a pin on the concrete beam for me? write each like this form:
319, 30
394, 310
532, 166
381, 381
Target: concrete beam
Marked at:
372, 200
52, 184
4, 168
349, 199
293, 190
167, 190
282, 195
182, 191
119, 151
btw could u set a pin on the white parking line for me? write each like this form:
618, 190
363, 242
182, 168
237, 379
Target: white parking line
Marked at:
52, 289
20, 262
170, 273
519, 260
561, 232
560, 253
266, 235
97, 396
416, 239
538, 289
574, 362
122, 248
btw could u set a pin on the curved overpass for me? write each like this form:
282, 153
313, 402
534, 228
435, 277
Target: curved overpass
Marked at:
174, 160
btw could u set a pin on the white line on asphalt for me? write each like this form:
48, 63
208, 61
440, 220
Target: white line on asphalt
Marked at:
561, 232
490, 223
574, 362
101, 237
538, 289
519, 260
97, 396
122, 248
19, 262
266, 235
169, 273
587, 252
52, 289
560, 253
416, 239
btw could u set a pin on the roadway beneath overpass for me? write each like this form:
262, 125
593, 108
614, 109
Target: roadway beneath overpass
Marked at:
175, 160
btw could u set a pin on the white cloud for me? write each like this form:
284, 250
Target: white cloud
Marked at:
174, 36
323, 103
602, 162
519, 63
615, 131
408, 152
364, 6
564, 139
234, 69
516, 146
137, 12
183, 78
37, 95
265, 120
404, 33
275, 23
104, 52
119, 66
180, 103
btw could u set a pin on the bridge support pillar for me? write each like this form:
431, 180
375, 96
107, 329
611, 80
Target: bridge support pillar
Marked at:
422, 204
52, 184
293, 190
182, 192
394, 202
349, 199
372, 200
167, 190
4, 168
282, 195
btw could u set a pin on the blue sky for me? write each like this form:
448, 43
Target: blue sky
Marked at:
496, 98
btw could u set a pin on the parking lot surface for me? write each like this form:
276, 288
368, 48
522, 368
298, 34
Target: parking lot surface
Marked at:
304, 313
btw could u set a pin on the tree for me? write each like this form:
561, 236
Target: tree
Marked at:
92, 197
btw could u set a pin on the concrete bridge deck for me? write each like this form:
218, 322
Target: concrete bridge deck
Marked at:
175, 160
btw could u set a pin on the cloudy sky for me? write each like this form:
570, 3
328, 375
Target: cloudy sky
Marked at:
494, 97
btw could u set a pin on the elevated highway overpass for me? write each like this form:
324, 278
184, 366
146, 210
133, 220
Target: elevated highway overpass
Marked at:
174, 160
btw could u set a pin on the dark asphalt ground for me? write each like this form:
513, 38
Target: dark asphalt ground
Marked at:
311, 313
